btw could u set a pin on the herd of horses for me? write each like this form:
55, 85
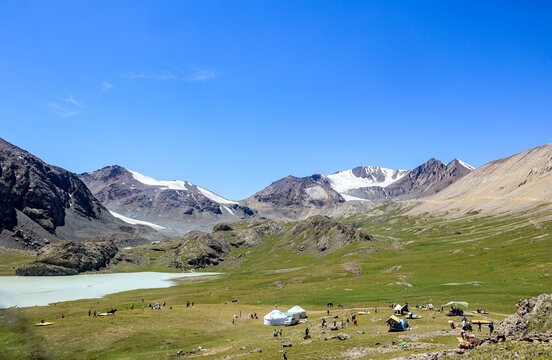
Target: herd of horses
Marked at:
330, 304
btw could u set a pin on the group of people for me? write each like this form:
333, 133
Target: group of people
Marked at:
352, 316
252, 316
277, 333
97, 313
467, 328
156, 306
239, 315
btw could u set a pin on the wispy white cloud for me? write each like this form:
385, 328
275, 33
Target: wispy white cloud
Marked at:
192, 75
62, 110
169, 75
71, 100
66, 106
202, 75
106, 85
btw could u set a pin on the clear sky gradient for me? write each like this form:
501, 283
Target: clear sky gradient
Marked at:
233, 95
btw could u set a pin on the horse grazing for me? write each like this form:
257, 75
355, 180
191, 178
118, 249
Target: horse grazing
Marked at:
340, 305
330, 304
112, 311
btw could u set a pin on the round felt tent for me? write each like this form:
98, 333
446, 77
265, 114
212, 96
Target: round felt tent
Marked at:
298, 312
275, 318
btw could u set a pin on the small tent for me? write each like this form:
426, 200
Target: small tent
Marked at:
275, 318
456, 303
396, 324
400, 310
455, 309
298, 312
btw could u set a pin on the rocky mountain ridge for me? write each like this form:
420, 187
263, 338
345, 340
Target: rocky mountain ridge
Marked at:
168, 206
516, 183
41, 203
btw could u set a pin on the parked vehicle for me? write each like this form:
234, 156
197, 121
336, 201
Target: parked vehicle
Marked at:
290, 321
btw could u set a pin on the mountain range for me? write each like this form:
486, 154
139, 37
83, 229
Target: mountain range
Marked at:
41, 203
298, 198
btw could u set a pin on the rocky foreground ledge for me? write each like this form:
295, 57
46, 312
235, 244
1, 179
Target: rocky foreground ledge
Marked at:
531, 324
69, 258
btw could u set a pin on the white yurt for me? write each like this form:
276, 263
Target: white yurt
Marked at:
275, 318
298, 312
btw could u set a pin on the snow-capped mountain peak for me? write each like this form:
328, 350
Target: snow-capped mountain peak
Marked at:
466, 165
364, 176
146, 180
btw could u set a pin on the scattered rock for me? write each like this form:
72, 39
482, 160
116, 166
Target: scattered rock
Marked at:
359, 331
401, 283
343, 336
352, 267
287, 344
393, 268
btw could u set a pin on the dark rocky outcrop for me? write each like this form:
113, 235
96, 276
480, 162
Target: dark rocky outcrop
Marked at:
533, 317
198, 250
223, 227
70, 258
320, 235
43, 269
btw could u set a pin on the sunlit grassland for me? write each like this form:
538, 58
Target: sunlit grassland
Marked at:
487, 261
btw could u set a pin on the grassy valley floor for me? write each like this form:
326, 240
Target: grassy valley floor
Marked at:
490, 262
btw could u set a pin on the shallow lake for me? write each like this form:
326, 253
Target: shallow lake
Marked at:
43, 290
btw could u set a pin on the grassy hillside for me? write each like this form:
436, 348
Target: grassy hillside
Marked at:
487, 261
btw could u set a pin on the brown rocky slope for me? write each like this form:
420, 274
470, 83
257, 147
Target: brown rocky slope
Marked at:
519, 182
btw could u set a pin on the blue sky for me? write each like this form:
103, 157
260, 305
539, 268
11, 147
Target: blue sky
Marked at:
233, 95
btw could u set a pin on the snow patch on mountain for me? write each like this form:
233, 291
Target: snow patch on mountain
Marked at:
352, 198
136, 222
216, 198
228, 209
146, 180
347, 180
465, 164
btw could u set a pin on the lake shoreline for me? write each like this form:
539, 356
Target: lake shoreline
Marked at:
29, 291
